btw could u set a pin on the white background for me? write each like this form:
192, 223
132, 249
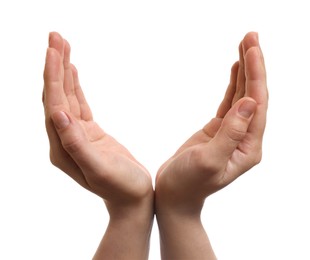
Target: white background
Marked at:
154, 72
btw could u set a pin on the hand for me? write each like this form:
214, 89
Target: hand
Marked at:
229, 145
78, 146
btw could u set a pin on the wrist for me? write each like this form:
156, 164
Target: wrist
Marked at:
134, 217
178, 218
141, 209
129, 230
182, 236
177, 204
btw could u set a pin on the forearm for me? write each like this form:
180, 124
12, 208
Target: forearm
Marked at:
124, 241
183, 237
127, 235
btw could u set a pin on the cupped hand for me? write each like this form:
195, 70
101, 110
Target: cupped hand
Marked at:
226, 147
78, 146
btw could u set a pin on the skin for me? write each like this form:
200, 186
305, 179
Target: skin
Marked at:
225, 148
95, 160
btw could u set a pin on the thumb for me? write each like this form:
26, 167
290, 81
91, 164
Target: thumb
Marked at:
233, 129
71, 134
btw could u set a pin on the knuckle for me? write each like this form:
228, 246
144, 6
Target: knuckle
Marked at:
235, 133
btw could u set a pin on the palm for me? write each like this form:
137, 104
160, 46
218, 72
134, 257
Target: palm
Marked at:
186, 163
200, 137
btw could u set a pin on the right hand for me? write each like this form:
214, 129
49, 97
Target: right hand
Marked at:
229, 145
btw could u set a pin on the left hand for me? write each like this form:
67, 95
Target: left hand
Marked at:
78, 146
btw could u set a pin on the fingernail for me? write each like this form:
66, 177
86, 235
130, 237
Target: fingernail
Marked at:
60, 120
247, 108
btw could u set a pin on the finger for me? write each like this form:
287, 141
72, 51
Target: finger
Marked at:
249, 40
69, 87
256, 88
240, 84
54, 96
57, 42
233, 130
85, 111
229, 95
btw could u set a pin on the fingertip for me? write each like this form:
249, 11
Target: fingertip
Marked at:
250, 40
234, 67
234, 126
75, 74
53, 36
60, 119
56, 41
251, 34
70, 133
247, 108
67, 47
74, 69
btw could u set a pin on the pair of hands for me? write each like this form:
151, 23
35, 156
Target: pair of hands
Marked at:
226, 147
